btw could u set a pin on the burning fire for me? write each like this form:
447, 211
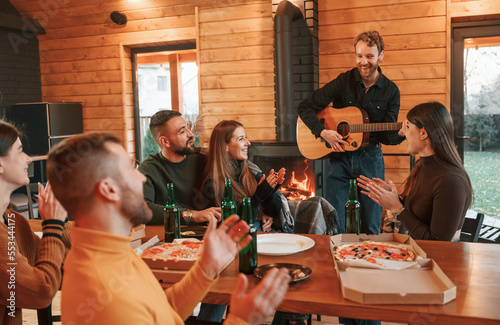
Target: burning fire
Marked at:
299, 190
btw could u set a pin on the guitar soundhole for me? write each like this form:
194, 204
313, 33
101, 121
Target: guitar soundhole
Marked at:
343, 129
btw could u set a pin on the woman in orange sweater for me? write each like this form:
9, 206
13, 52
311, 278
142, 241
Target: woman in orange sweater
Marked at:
30, 267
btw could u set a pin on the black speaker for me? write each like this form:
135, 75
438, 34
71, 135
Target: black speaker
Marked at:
45, 124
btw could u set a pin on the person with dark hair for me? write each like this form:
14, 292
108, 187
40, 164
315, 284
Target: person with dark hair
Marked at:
179, 163
228, 158
105, 281
438, 191
367, 88
30, 267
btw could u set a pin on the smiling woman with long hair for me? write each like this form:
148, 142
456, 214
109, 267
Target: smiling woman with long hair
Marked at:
30, 267
438, 191
228, 158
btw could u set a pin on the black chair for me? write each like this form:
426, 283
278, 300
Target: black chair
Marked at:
45, 316
471, 228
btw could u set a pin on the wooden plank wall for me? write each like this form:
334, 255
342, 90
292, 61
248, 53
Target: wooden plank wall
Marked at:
468, 8
86, 57
236, 67
414, 34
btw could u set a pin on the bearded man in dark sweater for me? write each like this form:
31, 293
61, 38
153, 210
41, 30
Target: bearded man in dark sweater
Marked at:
180, 163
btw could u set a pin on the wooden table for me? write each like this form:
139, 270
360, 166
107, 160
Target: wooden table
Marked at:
474, 268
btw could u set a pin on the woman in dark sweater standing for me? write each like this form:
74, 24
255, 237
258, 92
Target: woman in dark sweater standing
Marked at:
438, 191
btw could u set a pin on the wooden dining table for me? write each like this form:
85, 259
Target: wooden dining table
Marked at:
473, 267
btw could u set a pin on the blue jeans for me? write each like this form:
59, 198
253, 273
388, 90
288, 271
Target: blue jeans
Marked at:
211, 313
351, 165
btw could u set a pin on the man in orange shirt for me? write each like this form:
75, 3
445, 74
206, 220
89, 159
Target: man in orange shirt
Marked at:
105, 282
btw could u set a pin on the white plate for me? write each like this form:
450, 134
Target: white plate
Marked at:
282, 244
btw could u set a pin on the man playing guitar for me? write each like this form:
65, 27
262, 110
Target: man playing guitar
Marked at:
367, 88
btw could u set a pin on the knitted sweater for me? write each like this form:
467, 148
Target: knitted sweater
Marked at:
186, 176
435, 208
105, 282
30, 271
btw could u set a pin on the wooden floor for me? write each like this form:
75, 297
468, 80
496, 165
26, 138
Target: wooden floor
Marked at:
30, 318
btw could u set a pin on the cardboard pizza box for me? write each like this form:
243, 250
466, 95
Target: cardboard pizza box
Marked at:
136, 243
422, 283
169, 264
138, 232
169, 276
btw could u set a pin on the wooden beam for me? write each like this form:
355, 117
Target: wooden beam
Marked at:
481, 42
198, 64
176, 83
162, 57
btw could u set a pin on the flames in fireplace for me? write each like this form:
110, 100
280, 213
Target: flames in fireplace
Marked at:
300, 187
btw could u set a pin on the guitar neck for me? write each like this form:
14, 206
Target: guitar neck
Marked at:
374, 127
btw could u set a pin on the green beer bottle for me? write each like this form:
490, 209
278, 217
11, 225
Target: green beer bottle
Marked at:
171, 216
352, 210
248, 255
228, 206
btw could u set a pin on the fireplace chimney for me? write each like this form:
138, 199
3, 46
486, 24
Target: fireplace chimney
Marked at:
286, 13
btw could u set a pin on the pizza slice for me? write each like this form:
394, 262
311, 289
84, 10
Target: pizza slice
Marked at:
186, 250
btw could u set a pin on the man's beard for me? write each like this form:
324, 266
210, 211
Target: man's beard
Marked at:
372, 70
186, 150
134, 208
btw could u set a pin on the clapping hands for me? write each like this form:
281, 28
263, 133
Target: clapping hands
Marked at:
384, 194
48, 206
261, 302
222, 244
275, 179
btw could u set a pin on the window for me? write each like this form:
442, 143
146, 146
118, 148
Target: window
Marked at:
162, 83
167, 79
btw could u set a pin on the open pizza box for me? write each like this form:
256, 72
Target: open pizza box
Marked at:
170, 270
171, 264
420, 282
167, 270
137, 234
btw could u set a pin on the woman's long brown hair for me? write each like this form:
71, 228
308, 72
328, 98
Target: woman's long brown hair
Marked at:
219, 165
437, 121
8, 136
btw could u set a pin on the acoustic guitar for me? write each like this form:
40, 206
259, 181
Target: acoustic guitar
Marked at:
352, 123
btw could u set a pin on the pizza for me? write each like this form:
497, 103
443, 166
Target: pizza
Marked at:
370, 251
185, 250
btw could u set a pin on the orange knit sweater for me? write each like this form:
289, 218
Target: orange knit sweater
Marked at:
30, 267
106, 282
